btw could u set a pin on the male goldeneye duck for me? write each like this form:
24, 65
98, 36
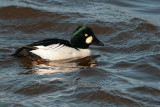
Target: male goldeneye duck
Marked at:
58, 49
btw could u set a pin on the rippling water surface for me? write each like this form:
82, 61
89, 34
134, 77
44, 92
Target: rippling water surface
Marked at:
126, 74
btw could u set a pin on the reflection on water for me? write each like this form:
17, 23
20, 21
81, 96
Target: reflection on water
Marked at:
58, 66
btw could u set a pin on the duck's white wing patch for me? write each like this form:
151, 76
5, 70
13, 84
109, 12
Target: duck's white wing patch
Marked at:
59, 52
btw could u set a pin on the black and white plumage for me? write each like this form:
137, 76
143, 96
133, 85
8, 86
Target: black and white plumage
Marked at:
58, 49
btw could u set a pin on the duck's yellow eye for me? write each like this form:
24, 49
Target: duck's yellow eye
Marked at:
86, 35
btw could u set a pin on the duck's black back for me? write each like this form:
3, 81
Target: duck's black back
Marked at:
47, 42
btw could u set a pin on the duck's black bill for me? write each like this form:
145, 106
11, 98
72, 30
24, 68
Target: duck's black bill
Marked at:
97, 42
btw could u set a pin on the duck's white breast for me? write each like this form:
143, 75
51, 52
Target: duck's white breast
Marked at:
59, 52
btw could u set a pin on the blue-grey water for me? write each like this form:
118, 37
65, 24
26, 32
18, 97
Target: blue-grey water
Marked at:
126, 74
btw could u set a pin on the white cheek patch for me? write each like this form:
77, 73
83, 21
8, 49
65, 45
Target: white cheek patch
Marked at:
89, 40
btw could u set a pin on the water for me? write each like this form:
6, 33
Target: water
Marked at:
125, 74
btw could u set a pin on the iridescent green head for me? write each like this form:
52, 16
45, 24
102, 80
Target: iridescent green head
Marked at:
83, 37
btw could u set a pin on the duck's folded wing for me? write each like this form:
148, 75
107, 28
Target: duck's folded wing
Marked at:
55, 52
25, 51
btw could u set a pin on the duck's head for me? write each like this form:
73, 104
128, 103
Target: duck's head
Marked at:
83, 37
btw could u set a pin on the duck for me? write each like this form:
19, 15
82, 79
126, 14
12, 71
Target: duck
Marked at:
59, 49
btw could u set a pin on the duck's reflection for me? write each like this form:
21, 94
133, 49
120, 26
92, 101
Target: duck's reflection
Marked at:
58, 66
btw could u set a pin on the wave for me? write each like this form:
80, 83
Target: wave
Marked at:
103, 96
146, 90
28, 19
10, 12
39, 88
